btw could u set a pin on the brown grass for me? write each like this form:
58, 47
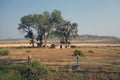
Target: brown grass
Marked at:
19, 43
65, 55
101, 52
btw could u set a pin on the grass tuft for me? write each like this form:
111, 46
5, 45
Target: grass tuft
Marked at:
28, 51
116, 63
73, 46
90, 51
78, 52
4, 52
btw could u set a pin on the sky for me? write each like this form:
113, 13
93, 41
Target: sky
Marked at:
94, 17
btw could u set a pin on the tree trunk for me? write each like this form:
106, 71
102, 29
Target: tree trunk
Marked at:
40, 41
46, 42
46, 38
66, 41
40, 44
33, 43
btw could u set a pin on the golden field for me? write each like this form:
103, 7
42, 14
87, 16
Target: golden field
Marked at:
102, 53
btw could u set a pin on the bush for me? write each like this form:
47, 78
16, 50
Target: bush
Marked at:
90, 51
35, 71
116, 63
4, 52
118, 52
78, 52
28, 51
72, 46
10, 72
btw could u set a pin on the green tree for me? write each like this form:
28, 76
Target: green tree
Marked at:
43, 26
46, 24
27, 27
66, 31
57, 17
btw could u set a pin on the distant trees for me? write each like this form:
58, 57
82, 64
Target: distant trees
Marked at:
38, 27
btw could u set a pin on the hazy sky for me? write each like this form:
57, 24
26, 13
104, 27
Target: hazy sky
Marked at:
96, 17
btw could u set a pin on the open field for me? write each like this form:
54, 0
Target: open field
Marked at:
103, 63
20, 43
100, 52
79, 45
100, 55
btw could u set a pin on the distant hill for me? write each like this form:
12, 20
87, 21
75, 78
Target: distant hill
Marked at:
78, 39
97, 39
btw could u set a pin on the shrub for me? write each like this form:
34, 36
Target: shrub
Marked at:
118, 52
73, 46
35, 71
90, 51
78, 52
10, 72
4, 52
28, 51
116, 63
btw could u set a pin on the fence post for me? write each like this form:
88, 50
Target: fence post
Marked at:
29, 59
78, 62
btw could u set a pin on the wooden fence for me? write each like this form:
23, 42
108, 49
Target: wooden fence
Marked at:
74, 66
78, 67
16, 61
13, 61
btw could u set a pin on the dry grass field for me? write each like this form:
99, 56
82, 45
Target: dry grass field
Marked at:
102, 54
98, 57
47, 54
19, 43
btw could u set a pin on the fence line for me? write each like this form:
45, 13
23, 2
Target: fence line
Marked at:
57, 65
27, 61
16, 61
79, 60
51, 61
88, 71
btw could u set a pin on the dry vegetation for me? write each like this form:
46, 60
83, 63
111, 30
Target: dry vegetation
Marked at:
101, 54
47, 54
19, 43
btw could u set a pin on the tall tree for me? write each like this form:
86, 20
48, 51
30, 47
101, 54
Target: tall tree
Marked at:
44, 24
66, 31
27, 26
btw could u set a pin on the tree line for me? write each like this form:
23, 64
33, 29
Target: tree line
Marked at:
39, 27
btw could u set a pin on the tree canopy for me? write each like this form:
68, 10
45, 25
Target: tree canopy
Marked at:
38, 27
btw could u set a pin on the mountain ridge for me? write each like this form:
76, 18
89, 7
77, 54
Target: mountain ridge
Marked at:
85, 39
98, 39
